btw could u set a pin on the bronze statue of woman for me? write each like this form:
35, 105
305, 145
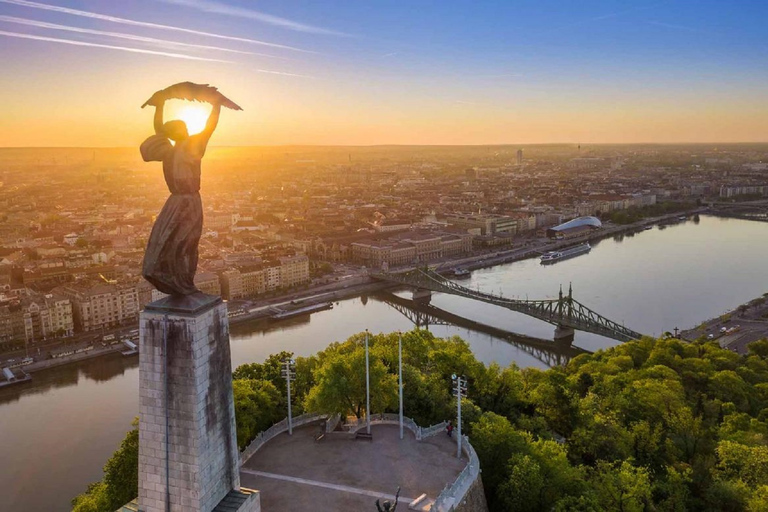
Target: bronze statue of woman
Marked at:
170, 260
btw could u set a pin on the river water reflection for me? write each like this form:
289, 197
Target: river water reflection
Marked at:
58, 431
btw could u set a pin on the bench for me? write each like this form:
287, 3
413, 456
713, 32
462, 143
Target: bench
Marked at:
416, 504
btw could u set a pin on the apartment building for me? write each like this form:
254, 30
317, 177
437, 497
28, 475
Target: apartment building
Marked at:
36, 318
102, 305
272, 276
294, 270
208, 282
455, 244
411, 249
243, 282
428, 245
254, 281
231, 284
486, 224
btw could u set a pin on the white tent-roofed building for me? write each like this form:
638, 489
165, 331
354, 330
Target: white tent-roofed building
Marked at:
575, 227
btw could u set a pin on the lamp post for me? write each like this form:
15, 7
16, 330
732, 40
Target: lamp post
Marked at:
367, 389
459, 391
289, 371
400, 359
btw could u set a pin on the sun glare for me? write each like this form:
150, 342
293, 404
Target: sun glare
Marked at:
193, 114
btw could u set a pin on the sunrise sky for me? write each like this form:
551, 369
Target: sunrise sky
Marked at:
390, 72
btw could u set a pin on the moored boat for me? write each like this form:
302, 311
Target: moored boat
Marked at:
461, 273
553, 256
9, 378
281, 314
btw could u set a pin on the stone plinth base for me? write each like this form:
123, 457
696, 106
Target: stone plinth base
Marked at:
244, 500
184, 362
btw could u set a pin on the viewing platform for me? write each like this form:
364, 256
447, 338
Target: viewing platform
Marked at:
299, 472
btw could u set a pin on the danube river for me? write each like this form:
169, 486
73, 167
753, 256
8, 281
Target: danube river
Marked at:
58, 431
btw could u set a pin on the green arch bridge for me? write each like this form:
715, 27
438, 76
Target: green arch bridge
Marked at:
565, 312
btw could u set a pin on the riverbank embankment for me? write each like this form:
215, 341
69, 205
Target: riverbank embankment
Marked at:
735, 329
536, 248
364, 285
47, 364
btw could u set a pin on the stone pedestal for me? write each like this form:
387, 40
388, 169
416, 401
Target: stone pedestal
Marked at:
188, 457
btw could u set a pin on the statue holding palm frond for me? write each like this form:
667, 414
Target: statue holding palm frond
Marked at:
170, 261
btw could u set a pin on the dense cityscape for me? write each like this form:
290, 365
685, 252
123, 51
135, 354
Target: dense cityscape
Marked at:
75, 221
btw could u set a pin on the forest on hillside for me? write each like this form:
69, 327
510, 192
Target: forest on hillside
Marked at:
650, 425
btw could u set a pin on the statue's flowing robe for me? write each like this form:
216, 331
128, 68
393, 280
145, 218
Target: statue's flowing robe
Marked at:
170, 260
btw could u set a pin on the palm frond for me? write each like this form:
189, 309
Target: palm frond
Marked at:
192, 92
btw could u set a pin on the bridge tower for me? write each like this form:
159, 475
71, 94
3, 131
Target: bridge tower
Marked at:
564, 334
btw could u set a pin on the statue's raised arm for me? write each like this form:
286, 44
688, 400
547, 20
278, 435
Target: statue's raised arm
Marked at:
201, 139
158, 121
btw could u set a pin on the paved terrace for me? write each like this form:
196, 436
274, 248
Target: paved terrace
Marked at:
296, 472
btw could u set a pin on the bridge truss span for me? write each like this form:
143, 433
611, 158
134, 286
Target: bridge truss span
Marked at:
423, 315
564, 312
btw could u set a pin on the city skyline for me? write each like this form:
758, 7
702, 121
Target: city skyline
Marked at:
457, 73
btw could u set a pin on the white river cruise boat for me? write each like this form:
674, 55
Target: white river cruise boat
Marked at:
570, 252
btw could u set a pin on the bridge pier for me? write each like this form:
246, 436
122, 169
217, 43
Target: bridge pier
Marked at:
421, 295
564, 335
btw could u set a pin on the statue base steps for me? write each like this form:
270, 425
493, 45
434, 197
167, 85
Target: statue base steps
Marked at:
244, 500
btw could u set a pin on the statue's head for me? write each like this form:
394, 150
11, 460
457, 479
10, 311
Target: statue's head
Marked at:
387, 505
176, 130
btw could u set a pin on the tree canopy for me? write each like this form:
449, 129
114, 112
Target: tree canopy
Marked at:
650, 425
121, 479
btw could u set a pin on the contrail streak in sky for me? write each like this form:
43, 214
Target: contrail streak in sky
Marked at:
137, 50
250, 14
120, 35
124, 21
107, 46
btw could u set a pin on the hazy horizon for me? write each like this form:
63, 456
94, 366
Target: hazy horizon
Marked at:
385, 145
